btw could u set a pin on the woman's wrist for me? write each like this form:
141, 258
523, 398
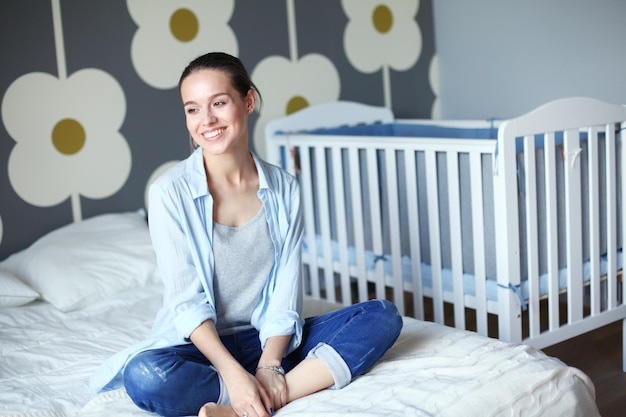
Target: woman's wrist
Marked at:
278, 370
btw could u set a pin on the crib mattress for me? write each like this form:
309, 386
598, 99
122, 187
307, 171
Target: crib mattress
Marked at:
48, 356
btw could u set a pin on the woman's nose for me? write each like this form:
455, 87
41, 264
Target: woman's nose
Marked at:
209, 118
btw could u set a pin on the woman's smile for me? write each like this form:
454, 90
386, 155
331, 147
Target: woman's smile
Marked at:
213, 134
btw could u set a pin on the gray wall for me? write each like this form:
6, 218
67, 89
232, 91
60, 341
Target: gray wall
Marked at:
501, 58
42, 188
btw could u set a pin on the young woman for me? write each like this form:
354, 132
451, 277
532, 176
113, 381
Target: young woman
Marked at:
227, 230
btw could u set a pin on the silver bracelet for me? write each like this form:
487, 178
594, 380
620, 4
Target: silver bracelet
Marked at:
278, 370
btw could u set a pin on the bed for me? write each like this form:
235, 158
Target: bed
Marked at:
510, 228
89, 289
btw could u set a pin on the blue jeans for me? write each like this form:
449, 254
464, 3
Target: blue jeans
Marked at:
179, 380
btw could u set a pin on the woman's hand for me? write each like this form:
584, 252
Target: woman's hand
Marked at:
248, 396
275, 385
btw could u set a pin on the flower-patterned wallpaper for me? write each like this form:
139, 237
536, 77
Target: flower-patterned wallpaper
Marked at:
89, 102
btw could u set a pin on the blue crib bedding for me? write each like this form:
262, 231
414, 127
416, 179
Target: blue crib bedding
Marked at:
416, 130
412, 130
469, 280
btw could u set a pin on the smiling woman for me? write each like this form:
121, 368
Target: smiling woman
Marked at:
226, 227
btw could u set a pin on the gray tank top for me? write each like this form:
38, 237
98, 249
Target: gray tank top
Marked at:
243, 259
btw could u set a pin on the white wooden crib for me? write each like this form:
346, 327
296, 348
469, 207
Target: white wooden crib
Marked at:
521, 220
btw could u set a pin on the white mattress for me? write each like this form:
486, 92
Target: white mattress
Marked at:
47, 358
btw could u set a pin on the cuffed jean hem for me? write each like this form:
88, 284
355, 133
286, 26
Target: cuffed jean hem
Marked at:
334, 362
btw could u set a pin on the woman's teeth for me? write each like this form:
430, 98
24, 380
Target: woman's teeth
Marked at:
213, 133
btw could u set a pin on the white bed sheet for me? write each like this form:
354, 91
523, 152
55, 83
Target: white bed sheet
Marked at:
47, 358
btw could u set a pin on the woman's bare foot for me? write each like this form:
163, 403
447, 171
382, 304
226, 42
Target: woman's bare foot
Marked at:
216, 410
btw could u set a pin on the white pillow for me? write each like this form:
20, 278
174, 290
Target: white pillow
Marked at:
88, 261
14, 292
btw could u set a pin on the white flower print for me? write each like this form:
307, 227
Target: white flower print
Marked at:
172, 33
288, 86
382, 33
67, 137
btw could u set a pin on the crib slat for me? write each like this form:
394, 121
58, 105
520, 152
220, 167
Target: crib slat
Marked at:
594, 219
376, 216
611, 215
324, 226
478, 235
435, 238
622, 140
532, 234
341, 225
573, 220
394, 228
309, 221
507, 233
552, 238
456, 248
414, 233
357, 215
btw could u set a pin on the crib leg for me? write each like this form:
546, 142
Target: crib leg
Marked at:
624, 345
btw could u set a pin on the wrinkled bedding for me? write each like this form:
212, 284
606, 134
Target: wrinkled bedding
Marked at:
47, 357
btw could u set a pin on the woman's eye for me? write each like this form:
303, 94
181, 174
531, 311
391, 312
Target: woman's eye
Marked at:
219, 103
191, 110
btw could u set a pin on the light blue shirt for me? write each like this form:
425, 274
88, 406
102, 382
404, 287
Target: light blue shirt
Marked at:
181, 224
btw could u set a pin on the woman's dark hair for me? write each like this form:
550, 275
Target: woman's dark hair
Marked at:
230, 65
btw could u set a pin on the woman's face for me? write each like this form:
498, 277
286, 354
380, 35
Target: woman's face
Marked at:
216, 114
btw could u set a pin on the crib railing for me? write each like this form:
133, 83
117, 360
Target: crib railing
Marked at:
527, 229
581, 134
357, 182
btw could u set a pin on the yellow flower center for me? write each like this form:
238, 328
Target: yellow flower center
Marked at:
184, 25
382, 18
296, 103
68, 136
